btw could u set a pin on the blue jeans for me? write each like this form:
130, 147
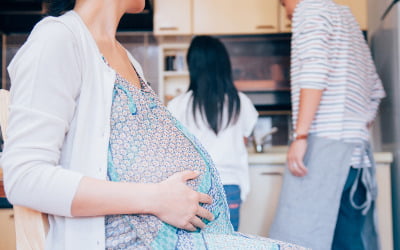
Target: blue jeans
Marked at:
350, 222
233, 197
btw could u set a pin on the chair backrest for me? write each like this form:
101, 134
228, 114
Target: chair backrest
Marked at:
31, 226
4, 101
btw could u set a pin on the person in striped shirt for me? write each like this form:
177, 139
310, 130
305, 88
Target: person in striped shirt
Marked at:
335, 97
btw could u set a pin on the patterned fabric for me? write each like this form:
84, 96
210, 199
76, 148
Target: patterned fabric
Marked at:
329, 52
147, 145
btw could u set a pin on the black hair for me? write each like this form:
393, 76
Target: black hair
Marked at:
211, 82
58, 7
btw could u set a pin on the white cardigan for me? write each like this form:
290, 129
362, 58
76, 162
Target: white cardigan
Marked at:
59, 126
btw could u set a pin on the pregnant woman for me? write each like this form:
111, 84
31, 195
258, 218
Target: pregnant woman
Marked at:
90, 144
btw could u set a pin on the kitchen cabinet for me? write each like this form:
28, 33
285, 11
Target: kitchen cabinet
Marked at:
358, 8
285, 25
235, 16
258, 211
7, 230
266, 178
186, 17
172, 17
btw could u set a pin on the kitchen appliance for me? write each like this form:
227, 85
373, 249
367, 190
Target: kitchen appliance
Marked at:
384, 36
261, 69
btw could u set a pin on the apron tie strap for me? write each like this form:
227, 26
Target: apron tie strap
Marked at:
365, 175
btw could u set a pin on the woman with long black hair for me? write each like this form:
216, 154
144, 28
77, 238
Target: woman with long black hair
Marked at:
219, 116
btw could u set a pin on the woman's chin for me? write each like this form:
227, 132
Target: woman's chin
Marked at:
135, 10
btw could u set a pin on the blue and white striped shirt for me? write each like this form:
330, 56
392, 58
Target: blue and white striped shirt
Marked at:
329, 52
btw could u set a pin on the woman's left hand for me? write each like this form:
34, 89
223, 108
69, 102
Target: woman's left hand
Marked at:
295, 158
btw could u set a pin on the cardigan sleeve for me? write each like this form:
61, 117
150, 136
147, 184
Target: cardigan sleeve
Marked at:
45, 85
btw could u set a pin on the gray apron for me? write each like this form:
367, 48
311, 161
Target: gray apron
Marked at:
308, 206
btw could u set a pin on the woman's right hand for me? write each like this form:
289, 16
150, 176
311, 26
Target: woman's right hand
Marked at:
178, 205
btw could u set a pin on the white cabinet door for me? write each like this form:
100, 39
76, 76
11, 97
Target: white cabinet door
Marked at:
235, 16
258, 211
172, 17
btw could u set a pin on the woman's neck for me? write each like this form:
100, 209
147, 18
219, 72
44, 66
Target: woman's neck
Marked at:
101, 17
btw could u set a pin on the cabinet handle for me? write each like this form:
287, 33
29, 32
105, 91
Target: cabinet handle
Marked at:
168, 28
289, 25
11, 216
271, 173
261, 27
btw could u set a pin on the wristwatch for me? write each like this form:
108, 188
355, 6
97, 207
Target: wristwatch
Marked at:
296, 136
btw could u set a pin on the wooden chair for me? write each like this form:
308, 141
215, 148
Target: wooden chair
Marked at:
31, 226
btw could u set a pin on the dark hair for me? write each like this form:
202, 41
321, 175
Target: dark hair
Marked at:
58, 7
211, 82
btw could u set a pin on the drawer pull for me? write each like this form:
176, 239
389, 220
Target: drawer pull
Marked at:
259, 27
272, 173
289, 25
11, 216
168, 28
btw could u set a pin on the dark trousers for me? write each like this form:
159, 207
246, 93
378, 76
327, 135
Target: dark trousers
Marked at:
233, 197
348, 231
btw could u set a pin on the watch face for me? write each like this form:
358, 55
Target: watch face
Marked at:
293, 136
296, 136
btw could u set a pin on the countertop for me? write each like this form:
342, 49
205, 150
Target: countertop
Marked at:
277, 156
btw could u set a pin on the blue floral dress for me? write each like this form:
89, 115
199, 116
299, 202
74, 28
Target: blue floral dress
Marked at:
147, 145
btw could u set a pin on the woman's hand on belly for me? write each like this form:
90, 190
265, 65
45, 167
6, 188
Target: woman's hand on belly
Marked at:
177, 204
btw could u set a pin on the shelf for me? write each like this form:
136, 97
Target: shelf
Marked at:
262, 85
175, 73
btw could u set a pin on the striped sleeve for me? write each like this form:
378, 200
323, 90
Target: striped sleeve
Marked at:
377, 92
313, 43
